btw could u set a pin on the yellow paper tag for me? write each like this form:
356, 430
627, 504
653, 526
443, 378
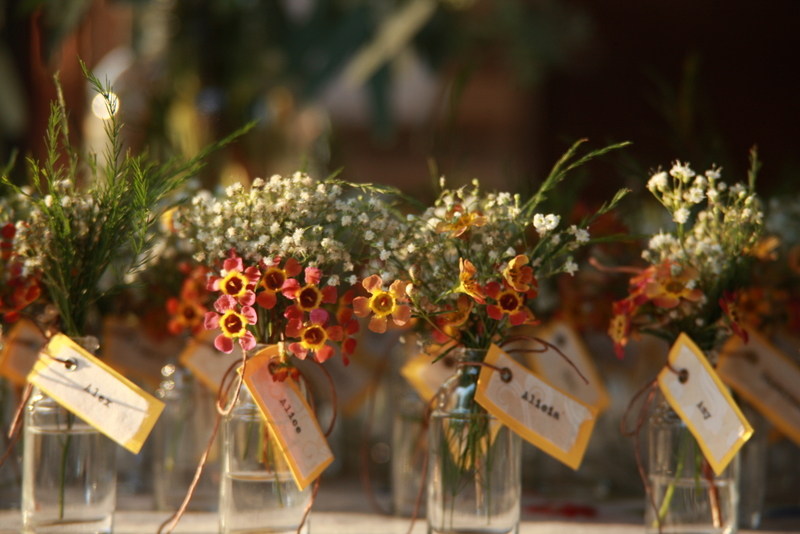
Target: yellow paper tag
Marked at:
290, 419
207, 363
96, 393
702, 401
132, 352
20, 350
766, 378
427, 377
551, 419
559, 373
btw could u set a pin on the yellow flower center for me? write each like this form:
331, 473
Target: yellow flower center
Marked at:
674, 287
314, 337
382, 303
233, 324
309, 298
509, 302
234, 284
189, 313
617, 328
733, 313
274, 279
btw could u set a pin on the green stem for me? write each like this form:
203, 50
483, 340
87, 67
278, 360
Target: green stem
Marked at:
662, 511
250, 427
62, 476
270, 450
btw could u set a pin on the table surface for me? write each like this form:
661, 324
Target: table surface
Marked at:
540, 515
142, 522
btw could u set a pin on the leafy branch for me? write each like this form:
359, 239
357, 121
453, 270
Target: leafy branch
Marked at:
75, 234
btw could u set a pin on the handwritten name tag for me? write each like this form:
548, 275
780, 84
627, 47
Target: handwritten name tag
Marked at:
427, 377
559, 373
766, 378
702, 401
208, 364
551, 419
20, 350
96, 393
290, 419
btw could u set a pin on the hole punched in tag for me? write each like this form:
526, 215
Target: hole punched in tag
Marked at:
70, 363
683, 374
506, 375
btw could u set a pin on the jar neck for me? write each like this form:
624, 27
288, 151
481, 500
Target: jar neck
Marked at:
258, 348
466, 355
89, 343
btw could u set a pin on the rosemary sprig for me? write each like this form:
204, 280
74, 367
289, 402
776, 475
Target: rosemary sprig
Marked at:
76, 235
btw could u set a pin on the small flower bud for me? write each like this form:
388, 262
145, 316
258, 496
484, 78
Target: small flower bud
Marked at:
414, 272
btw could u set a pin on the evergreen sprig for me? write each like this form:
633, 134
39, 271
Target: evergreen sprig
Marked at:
76, 235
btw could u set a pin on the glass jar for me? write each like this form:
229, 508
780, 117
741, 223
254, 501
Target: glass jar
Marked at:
474, 460
69, 479
409, 447
180, 438
687, 493
753, 468
11, 470
258, 492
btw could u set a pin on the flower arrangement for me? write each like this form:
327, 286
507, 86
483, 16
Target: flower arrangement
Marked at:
690, 287
466, 271
468, 267
18, 288
284, 255
74, 236
772, 299
87, 229
696, 270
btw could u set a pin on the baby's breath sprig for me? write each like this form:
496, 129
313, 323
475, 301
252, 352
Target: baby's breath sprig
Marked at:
76, 234
472, 262
293, 246
696, 269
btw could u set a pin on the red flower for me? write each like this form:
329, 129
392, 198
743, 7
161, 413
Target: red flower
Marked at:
509, 302
232, 323
447, 323
519, 275
273, 279
314, 336
310, 296
467, 284
236, 281
728, 304
382, 304
667, 290
345, 318
185, 314
620, 327
458, 221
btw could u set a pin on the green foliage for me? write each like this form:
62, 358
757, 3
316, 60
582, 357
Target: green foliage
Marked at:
77, 235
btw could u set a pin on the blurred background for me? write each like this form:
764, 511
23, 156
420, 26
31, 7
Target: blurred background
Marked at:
400, 92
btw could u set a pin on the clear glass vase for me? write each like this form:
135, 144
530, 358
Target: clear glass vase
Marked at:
688, 496
753, 469
179, 440
474, 461
11, 470
69, 479
257, 492
409, 447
